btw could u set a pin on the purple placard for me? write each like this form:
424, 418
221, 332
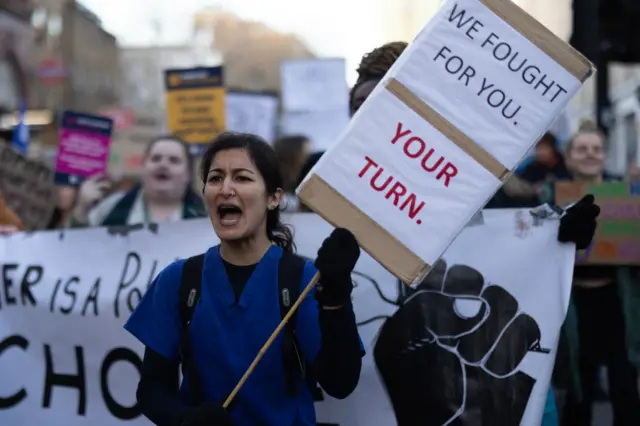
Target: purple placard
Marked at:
83, 150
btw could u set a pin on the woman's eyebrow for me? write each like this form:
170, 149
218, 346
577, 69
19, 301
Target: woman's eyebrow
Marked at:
236, 170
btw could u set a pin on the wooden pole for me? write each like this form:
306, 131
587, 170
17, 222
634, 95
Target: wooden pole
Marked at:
271, 339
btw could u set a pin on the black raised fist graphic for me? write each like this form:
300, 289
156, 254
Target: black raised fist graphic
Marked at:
449, 355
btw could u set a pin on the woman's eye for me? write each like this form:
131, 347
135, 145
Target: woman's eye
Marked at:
243, 178
215, 178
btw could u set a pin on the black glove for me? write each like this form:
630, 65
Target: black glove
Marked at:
578, 225
207, 414
336, 259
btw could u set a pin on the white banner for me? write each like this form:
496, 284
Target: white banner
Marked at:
65, 359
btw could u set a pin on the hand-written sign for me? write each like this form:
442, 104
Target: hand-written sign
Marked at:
195, 103
84, 145
435, 140
27, 187
617, 239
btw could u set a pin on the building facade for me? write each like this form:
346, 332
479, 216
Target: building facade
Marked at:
16, 43
78, 64
251, 51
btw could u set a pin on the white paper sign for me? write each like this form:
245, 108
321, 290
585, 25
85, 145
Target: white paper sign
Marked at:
252, 113
65, 359
402, 172
486, 79
314, 85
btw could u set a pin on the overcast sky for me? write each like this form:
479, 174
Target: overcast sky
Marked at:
342, 28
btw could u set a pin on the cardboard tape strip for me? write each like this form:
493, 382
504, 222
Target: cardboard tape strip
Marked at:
474, 150
565, 55
385, 248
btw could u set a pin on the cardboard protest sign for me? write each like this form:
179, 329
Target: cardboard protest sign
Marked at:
617, 239
195, 104
83, 150
443, 130
27, 187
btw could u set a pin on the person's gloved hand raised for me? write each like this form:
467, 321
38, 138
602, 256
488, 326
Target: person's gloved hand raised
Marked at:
207, 414
336, 259
578, 225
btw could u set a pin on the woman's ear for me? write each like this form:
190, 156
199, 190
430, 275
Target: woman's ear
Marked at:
275, 199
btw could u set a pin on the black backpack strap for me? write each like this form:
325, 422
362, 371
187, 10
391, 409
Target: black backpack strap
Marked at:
190, 286
290, 271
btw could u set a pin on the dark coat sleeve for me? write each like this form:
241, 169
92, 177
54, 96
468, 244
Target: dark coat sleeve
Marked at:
157, 392
339, 361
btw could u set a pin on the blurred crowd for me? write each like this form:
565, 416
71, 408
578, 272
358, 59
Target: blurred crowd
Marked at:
601, 330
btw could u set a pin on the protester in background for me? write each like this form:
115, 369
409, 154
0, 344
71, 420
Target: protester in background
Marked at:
373, 66
239, 308
9, 221
164, 194
65, 203
292, 152
602, 324
548, 164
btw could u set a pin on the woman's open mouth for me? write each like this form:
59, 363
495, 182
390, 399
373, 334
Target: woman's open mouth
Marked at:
162, 177
229, 214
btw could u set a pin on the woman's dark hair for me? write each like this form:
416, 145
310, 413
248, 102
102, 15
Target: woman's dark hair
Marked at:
265, 160
289, 151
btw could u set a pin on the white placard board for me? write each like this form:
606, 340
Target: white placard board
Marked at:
65, 359
314, 85
252, 113
443, 130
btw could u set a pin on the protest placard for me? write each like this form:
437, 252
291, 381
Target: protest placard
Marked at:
252, 113
83, 150
27, 187
443, 130
195, 104
617, 240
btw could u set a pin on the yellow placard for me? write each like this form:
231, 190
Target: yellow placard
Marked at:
195, 103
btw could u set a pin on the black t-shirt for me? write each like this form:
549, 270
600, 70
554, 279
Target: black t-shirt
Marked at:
238, 276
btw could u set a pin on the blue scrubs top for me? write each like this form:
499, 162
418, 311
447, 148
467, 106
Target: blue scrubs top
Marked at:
226, 336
